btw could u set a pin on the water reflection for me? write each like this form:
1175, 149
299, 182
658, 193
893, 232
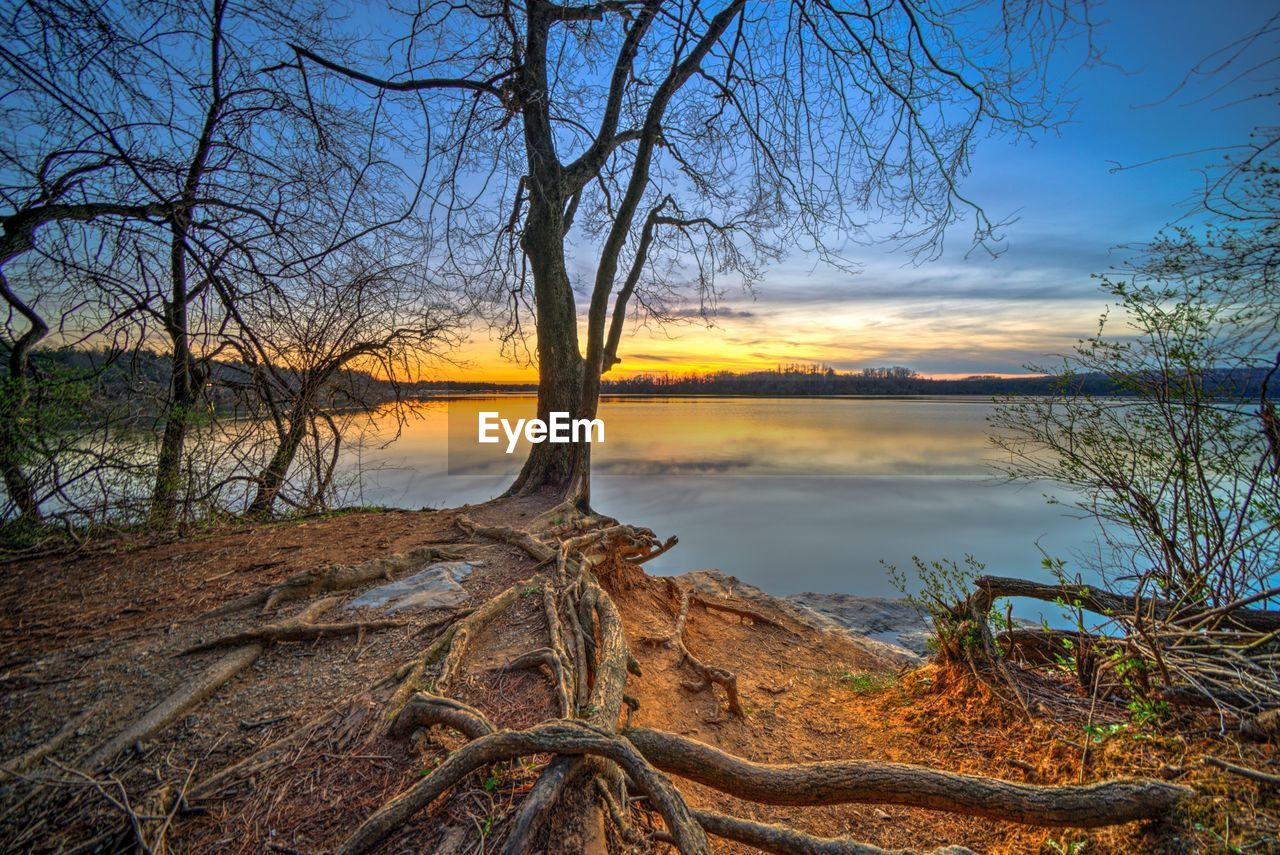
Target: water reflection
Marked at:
753, 436
788, 494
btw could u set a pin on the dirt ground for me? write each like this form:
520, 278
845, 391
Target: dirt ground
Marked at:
101, 634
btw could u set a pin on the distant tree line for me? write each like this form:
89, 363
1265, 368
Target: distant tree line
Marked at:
896, 380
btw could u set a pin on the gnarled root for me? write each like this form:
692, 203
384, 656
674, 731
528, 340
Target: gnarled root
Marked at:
707, 674
336, 577
426, 710
838, 782
452, 645
564, 737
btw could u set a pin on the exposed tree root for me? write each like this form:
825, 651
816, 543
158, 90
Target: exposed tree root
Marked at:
838, 782
707, 674
1106, 803
452, 645
426, 710
753, 616
565, 737
786, 841
337, 577
587, 657
534, 548
564, 665
537, 805
178, 703
666, 546
562, 514
273, 633
545, 657
29, 759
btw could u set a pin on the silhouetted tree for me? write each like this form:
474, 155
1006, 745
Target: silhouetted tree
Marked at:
181, 133
688, 144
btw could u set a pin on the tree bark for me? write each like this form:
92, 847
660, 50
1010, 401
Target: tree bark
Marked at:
843, 781
19, 487
561, 467
184, 386
272, 477
187, 373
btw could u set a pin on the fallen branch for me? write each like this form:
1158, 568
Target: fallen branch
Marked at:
1108, 604
839, 782
1263, 726
1244, 771
187, 696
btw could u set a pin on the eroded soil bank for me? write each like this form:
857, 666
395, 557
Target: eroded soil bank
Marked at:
91, 642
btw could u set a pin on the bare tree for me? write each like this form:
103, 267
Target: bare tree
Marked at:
689, 144
181, 127
299, 339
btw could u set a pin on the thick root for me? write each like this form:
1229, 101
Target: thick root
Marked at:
536, 807
569, 738
845, 781
192, 693
534, 548
452, 645
427, 710
786, 841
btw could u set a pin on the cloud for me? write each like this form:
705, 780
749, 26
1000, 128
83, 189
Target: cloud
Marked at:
711, 313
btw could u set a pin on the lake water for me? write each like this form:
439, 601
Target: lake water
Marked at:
791, 495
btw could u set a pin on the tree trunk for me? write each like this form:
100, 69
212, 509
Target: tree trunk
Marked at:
16, 483
184, 390
273, 476
562, 467
19, 487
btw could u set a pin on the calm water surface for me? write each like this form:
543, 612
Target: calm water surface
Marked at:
788, 494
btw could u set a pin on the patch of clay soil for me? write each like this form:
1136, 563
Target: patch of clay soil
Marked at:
104, 631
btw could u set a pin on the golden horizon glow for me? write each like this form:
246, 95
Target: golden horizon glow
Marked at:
973, 340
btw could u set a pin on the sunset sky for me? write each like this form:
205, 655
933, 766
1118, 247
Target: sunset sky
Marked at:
965, 315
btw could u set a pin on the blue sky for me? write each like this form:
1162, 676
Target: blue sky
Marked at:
1074, 208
